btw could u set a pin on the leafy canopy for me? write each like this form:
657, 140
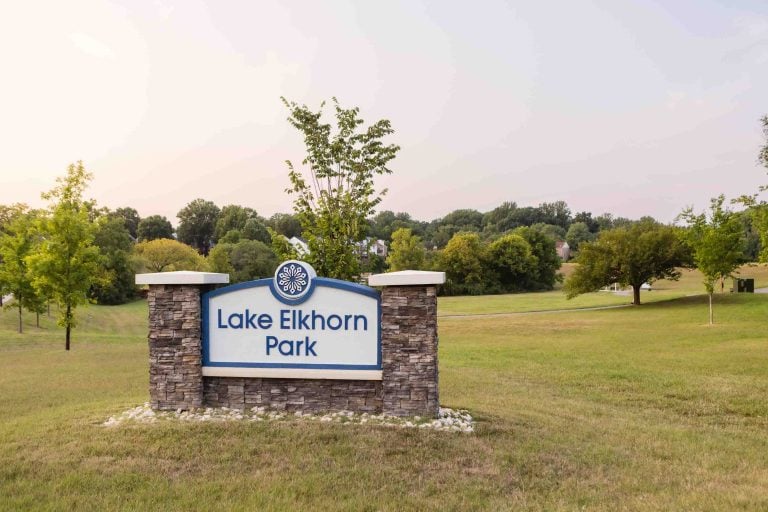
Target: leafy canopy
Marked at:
406, 251
335, 195
630, 256
66, 262
164, 255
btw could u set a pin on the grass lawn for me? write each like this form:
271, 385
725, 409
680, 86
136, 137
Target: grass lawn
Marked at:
690, 283
642, 408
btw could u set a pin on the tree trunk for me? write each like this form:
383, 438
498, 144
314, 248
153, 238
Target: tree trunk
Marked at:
635, 295
37, 319
711, 316
69, 327
21, 329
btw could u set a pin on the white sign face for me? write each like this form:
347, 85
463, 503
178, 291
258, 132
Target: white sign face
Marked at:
293, 326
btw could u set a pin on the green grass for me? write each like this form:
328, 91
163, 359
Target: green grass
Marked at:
642, 408
690, 283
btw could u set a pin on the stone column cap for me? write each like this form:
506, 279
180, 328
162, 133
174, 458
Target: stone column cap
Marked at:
407, 278
182, 277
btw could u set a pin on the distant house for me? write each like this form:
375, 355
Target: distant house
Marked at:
563, 250
364, 249
299, 245
371, 246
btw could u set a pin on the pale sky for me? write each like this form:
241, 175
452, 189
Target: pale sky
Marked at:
629, 107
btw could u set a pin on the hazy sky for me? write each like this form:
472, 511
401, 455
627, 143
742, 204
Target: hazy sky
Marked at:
628, 107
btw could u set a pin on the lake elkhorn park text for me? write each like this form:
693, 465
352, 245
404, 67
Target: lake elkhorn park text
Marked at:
291, 320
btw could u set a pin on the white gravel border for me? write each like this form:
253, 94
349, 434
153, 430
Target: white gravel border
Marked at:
449, 420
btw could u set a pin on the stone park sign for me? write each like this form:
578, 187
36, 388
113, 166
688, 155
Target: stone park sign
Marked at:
295, 342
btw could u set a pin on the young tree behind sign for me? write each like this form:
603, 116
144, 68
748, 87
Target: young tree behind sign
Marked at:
335, 197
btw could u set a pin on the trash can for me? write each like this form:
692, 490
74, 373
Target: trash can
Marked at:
744, 285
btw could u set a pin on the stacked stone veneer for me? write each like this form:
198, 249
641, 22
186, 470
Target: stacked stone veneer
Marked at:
409, 350
175, 370
409, 385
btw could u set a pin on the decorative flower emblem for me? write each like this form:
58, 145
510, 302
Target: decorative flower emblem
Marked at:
292, 279
292, 283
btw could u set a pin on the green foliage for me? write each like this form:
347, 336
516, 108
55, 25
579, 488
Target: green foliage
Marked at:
252, 259
510, 262
256, 229
115, 246
243, 261
232, 217
334, 198
17, 243
219, 258
282, 249
9, 212
165, 255
554, 233
197, 224
717, 240
154, 227
631, 256
544, 273
406, 251
463, 261
130, 218
386, 222
285, 224
577, 234
232, 237
66, 263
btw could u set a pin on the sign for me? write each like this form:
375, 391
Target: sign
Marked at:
295, 325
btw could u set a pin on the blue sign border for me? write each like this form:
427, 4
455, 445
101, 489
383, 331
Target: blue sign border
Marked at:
317, 281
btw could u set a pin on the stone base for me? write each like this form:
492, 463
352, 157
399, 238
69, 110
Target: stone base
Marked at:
292, 395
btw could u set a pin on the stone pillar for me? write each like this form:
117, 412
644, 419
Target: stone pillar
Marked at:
175, 357
409, 342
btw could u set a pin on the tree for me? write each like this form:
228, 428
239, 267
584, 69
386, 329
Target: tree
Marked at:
252, 259
406, 251
577, 234
758, 209
197, 224
17, 242
233, 216
285, 224
556, 213
555, 233
640, 253
256, 229
9, 212
219, 258
463, 261
66, 262
500, 219
544, 274
115, 246
164, 255
336, 195
244, 261
154, 227
511, 261
717, 240
130, 219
